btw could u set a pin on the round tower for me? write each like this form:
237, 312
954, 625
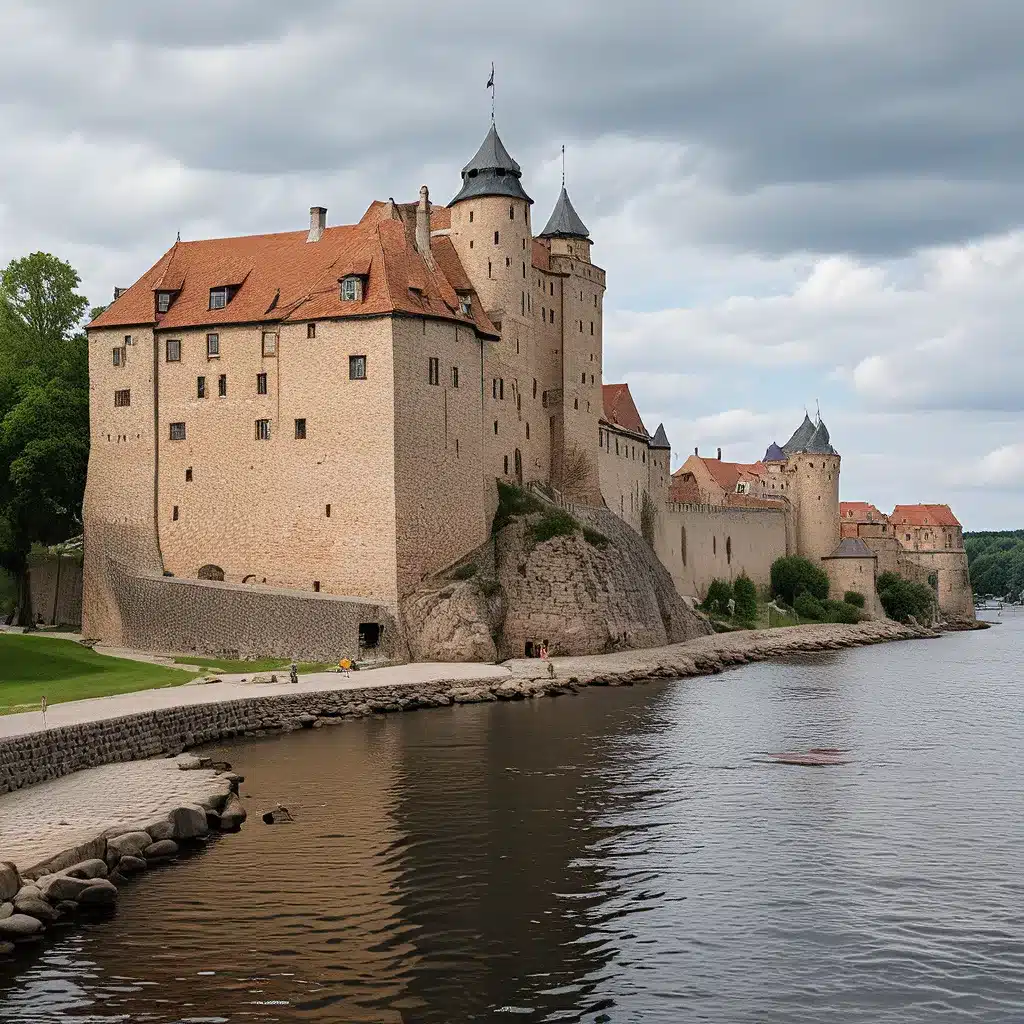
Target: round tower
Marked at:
490, 229
812, 474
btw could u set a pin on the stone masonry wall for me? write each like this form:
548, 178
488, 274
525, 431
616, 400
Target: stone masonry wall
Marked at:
170, 614
46, 582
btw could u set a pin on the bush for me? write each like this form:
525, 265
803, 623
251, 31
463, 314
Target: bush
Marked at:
900, 598
854, 598
745, 593
513, 501
718, 596
794, 575
841, 611
809, 607
593, 537
555, 523
464, 572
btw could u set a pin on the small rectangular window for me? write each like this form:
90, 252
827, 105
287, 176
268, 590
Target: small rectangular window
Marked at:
351, 289
200, 387
551, 316
118, 356
300, 430
213, 346
263, 430
456, 447
357, 367
163, 302
177, 431
173, 350
269, 343
261, 383
433, 370
174, 513
591, 328
316, 586
495, 426
494, 387
327, 511
583, 378
455, 376
222, 386
527, 431
188, 475
123, 397
496, 237
501, 389
511, 212
310, 330
506, 465
218, 298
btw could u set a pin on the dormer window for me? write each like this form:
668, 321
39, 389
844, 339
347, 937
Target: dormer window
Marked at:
163, 301
352, 288
218, 298
466, 305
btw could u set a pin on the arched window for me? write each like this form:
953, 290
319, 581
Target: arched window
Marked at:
211, 572
714, 545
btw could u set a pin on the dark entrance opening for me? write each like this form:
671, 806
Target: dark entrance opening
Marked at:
211, 572
529, 648
369, 635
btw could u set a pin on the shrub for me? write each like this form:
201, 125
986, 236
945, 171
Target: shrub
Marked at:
745, 593
793, 575
854, 598
464, 572
900, 598
718, 596
809, 607
841, 611
513, 501
593, 537
555, 523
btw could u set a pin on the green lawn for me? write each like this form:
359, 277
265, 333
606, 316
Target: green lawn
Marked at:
226, 665
32, 667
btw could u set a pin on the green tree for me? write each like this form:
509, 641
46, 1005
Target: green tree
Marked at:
854, 597
745, 594
902, 599
809, 607
44, 410
718, 596
793, 575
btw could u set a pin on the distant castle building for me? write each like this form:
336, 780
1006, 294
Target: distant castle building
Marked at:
325, 413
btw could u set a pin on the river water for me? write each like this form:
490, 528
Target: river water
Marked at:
621, 855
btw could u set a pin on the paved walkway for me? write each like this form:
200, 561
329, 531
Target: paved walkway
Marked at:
39, 822
98, 709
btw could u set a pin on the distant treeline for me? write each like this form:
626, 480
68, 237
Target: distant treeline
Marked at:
996, 559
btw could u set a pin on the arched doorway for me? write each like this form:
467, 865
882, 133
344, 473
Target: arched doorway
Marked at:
211, 572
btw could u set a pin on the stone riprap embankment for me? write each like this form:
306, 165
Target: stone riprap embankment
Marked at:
66, 846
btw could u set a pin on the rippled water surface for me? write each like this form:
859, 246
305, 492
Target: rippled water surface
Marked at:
622, 855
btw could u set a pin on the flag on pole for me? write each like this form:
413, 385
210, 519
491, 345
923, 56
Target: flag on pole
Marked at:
490, 81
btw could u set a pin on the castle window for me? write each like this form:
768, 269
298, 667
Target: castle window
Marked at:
714, 545
488, 268
496, 236
575, 403
501, 389
524, 271
544, 399
263, 430
316, 586
218, 298
222, 386
494, 388
433, 371
591, 378
261, 383
163, 301
508, 261
551, 315
178, 434
583, 378
543, 313
118, 356
682, 543
300, 430
471, 243
522, 303
310, 330
466, 305
591, 329
455, 376
506, 465
123, 397
173, 350
470, 216
188, 475
213, 346
456, 447
552, 285
728, 550
327, 511
511, 212
174, 513
519, 403
527, 431
269, 344
535, 387
357, 367
495, 426
616, 446
643, 457
200, 387
351, 288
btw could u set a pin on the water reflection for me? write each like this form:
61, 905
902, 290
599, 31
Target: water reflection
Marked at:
625, 855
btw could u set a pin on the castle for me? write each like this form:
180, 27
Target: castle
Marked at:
323, 414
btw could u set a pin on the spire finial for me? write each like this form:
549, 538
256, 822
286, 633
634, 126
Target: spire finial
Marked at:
179, 236
490, 85
563, 165
817, 406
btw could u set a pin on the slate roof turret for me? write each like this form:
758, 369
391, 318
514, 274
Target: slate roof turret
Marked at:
492, 172
800, 437
820, 443
564, 221
774, 454
660, 439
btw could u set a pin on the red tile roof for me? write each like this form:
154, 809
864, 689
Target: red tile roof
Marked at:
620, 409
684, 489
924, 515
728, 474
861, 512
284, 278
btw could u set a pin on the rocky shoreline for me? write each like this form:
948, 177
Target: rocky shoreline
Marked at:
45, 891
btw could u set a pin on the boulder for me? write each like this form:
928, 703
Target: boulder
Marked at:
6, 909
6, 948
20, 926
159, 830
10, 880
189, 822
100, 894
87, 869
163, 849
131, 865
233, 814
35, 906
64, 887
130, 844
509, 691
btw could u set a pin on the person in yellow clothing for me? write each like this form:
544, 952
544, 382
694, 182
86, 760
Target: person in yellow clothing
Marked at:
345, 665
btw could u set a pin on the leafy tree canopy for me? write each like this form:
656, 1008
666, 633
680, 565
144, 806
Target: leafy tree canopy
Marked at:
793, 575
996, 561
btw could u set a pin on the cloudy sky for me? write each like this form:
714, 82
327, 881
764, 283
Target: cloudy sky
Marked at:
797, 201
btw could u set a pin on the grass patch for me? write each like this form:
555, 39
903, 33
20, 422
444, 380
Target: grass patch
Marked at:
554, 523
62, 670
595, 538
513, 501
464, 572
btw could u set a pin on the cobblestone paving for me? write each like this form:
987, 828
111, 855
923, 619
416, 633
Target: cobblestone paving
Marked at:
38, 822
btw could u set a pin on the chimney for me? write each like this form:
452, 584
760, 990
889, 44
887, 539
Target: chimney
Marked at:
719, 454
423, 226
317, 223
696, 451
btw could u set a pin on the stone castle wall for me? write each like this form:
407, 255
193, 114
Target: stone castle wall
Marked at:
625, 474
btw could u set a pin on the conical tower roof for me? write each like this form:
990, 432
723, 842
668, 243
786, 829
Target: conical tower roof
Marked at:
492, 172
660, 439
774, 454
820, 443
800, 437
564, 221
